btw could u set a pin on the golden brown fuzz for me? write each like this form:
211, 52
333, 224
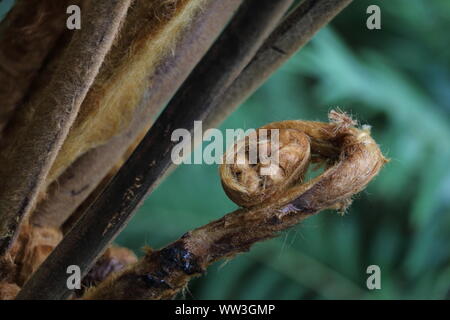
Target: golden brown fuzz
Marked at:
32, 247
149, 33
8, 291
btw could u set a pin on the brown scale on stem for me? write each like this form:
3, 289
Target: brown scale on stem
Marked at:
351, 157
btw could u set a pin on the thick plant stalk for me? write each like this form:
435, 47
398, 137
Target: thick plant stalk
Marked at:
73, 187
295, 31
28, 155
106, 217
148, 35
27, 36
163, 273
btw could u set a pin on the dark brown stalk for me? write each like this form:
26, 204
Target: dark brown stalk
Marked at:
163, 273
27, 157
66, 194
198, 96
295, 31
27, 35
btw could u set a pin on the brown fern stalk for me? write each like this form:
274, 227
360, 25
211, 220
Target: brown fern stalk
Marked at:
29, 154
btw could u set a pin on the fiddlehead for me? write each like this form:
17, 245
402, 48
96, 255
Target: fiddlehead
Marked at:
351, 158
248, 182
272, 204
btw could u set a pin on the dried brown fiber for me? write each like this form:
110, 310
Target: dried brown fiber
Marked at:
8, 291
32, 247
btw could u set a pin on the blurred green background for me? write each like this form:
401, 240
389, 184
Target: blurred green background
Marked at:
396, 79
